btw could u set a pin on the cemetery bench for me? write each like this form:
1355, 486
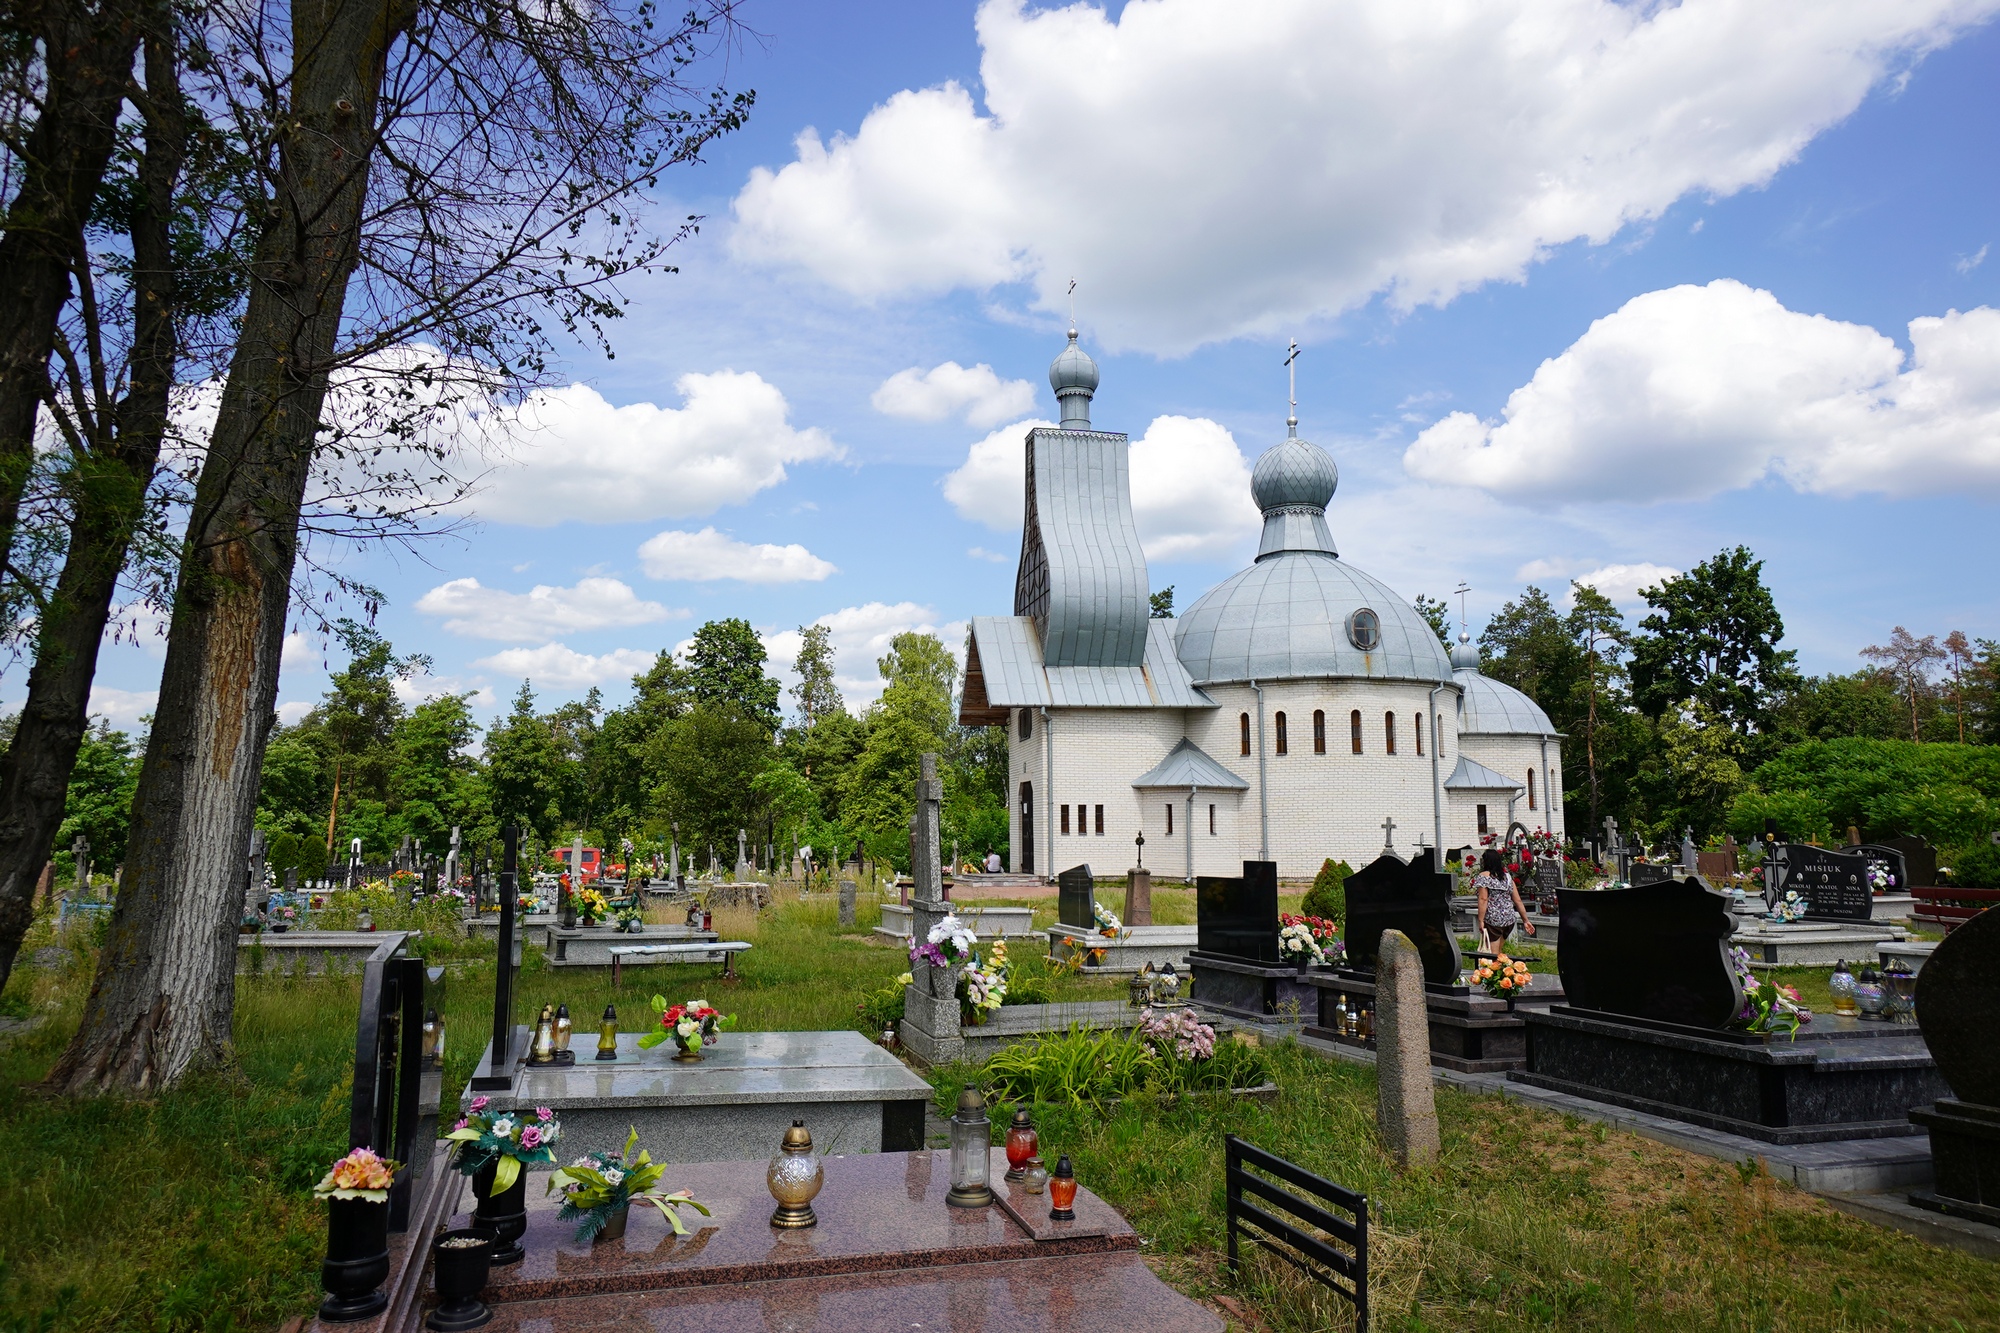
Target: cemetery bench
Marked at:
667, 953
1949, 906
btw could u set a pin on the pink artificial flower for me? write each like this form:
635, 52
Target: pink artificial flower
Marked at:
461, 1123
544, 1113
479, 1103
531, 1137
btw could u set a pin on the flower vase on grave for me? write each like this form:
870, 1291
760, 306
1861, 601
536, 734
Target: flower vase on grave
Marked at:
461, 1260
357, 1259
503, 1216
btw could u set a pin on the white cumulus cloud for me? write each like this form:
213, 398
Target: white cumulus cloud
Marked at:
1213, 169
122, 708
559, 667
575, 456
544, 611
860, 636
1190, 486
1691, 391
708, 555
942, 391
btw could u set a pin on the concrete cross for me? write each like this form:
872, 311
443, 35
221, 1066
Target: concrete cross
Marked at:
1389, 834
80, 850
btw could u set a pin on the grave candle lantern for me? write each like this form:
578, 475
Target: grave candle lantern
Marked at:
543, 1050
1062, 1191
432, 1023
971, 1150
607, 1035
1022, 1142
794, 1178
564, 1030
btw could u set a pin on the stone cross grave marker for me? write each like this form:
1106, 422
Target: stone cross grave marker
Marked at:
1834, 884
1389, 834
1689, 852
576, 863
1237, 916
1076, 900
1406, 1109
80, 851
1412, 898
1139, 897
930, 1002
742, 856
255, 871
451, 859
847, 891
1658, 952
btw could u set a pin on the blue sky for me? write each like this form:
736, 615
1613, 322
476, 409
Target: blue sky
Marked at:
1584, 290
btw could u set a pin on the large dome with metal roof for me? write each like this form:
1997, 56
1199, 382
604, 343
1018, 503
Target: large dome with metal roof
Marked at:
1488, 707
1300, 610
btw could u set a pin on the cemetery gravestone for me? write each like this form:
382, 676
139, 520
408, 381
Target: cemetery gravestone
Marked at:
930, 1002
1890, 859
1919, 858
80, 851
1406, 1108
1645, 872
1660, 952
1237, 917
1834, 884
847, 891
1956, 995
1139, 897
1411, 897
1076, 901
1549, 877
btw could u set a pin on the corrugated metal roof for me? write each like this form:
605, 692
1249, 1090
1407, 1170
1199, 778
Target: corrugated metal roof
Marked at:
1187, 765
1011, 674
1487, 707
1083, 574
1471, 775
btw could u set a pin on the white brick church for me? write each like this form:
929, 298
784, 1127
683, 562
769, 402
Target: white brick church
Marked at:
1287, 715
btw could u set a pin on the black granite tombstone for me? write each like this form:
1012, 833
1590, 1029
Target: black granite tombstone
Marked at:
1958, 993
1919, 857
1891, 859
1549, 877
1237, 916
1648, 872
1657, 952
1414, 897
1834, 884
1076, 903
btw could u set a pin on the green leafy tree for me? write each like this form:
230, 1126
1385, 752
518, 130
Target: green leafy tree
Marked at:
1943, 792
1161, 604
1598, 630
1697, 773
922, 678
524, 765
789, 800
726, 670
1437, 614
816, 694
1865, 704
99, 802
704, 765
297, 788
1528, 644
427, 788
1713, 637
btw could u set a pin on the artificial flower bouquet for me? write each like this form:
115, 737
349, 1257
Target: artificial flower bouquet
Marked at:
982, 988
630, 920
362, 1174
1183, 1034
1790, 908
1501, 976
689, 1026
1324, 933
1297, 945
591, 906
1880, 880
598, 1184
1767, 1007
504, 1140
1108, 924
949, 943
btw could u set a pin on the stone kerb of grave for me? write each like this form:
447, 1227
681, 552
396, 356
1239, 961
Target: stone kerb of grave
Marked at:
1136, 945
1957, 992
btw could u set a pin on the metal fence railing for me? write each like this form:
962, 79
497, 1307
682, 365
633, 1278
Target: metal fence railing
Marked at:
1336, 1257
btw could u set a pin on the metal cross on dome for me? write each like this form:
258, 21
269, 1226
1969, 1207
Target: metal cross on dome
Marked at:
1292, 365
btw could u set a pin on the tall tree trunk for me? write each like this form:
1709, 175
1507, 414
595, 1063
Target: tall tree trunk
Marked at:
165, 989
87, 50
109, 488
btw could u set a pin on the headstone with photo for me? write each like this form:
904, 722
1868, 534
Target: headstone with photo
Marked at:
1549, 877
1413, 897
1237, 916
1076, 900
1646, 872
1834, 884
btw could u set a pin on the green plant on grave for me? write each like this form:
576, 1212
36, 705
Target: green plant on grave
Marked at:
1328, 895
880, 1010
598, 1184
1074, 1067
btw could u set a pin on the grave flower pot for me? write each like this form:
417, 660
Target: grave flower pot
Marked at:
357, 1260
460, 1263
943, 982
614, 1225
504, 1217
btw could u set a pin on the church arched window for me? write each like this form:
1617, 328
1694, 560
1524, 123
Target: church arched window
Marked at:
1417, 725
1027, 723
1283, 748
1354, 725
1531, 789
1319, 731
1243, 726
1388, 733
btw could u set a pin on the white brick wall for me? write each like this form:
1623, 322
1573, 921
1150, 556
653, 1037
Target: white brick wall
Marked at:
1320, 805
1513, 757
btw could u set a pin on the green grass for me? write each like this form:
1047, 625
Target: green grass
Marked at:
192, 1210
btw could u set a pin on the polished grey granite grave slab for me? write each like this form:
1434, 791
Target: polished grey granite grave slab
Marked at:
306, 952
987, 923
733, 1104
533, 927
1813, 943
591, 946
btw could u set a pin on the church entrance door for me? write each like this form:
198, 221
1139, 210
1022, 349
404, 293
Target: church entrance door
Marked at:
1027, 828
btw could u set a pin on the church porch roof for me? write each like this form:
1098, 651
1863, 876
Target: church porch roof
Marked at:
1471, 775
1188, 765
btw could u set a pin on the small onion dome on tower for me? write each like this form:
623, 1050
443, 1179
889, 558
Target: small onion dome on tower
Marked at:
1073, 375
1293, 483
1465, 656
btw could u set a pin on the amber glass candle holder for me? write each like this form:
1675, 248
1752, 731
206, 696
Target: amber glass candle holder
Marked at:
1022, 1143
1062, 1191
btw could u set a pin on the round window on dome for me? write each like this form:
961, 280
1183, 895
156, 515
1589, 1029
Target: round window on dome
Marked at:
1364, 630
